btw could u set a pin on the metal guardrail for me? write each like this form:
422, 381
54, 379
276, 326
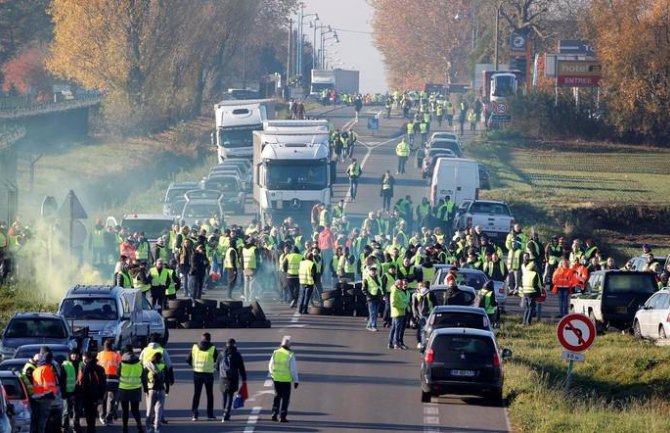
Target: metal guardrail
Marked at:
10, 134
50, 107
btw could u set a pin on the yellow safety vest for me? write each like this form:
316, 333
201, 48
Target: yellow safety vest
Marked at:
131, 376
402, 149
203, 360
228, 261
171, 289
487, 298
142, 252
386, 183
159, 279
305, 272
281, 367
374, 286
249, 256
428, 274
138, 284
149, 353
97, 241
294, 260
527, 280
324, 218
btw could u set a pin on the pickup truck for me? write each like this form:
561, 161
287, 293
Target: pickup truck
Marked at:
112, 313
494, 217
612, 297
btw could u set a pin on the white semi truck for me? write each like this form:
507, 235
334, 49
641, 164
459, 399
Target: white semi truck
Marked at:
292, 169
342, 80
236, 120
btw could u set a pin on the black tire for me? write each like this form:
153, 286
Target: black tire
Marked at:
258, 324
495, 397
425, 397
331, 294
637, 332
169, 314
333, 304
257, 311
208, 303
172, 323
192, 324
232, 305
315, 311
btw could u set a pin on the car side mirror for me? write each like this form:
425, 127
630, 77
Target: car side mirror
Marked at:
506, 354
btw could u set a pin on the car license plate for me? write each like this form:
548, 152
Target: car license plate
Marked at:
463, 373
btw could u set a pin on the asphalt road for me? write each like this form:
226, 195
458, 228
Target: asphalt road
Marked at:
350, 381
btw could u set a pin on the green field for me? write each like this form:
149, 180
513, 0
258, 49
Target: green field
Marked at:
567, 175
621, 387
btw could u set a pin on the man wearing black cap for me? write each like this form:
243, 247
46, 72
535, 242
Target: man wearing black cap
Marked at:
231, 368
284, 371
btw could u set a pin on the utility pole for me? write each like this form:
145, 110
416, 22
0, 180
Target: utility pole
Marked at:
289, 45
495, 55
299, 44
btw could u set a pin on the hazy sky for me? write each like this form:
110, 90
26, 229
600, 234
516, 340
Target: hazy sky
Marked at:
353, 21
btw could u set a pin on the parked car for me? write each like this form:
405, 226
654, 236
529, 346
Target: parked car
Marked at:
456, 178
60, 351
153, 226
233, 196
429, 161
113, 313
6, 413
445, 135
174, 200
455, 316
245, 166
444, 143
640, 263
612, 298
17, 396
466, 276
462, 361
494, 217
652, 320
35, 328
201, 205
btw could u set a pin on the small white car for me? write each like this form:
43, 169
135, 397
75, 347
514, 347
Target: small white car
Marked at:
651, 320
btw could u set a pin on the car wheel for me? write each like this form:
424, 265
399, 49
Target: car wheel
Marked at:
592, 317
637, 332
661, 333
425, 397
496, 397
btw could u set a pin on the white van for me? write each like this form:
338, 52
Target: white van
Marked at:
456, 178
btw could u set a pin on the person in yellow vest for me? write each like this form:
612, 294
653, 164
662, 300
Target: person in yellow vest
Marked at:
230, 264
449, 110
159, 277
373, 289
387, 184
291, 267
71, 397
140, 276
147, 353
110, 360
122, 276
402, 151
354, 172
173, 282
487, 301
324, 216
202, 358
284, 371
250, 262
143, 249
423, 302
306, 277
156, 387
130, 388
531, 287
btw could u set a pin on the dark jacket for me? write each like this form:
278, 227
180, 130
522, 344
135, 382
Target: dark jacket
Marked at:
155, 378
199, 263
456, 296
231, 368
203, 345
92, 381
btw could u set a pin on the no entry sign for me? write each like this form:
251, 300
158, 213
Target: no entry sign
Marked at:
576, 332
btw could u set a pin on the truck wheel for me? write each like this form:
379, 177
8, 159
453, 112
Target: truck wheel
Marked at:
598, 326
425, 397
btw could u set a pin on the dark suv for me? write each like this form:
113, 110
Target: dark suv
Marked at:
462, 361
34, 328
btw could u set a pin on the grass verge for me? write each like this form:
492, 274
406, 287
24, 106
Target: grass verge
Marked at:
621, 387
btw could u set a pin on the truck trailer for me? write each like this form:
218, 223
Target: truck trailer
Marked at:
236, 120
343, 81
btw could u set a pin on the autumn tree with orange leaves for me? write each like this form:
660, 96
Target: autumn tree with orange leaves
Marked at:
632, 39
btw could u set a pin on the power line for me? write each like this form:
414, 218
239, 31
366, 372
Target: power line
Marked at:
353, 31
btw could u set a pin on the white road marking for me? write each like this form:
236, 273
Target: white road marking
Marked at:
295, 318
431, 417
431, 420
252, 419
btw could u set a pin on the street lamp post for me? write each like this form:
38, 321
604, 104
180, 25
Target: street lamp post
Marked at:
497, 42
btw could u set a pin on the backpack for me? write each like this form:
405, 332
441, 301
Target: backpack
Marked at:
88, 376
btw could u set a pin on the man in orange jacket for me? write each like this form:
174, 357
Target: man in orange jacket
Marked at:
110, 360
563, 280
45, 390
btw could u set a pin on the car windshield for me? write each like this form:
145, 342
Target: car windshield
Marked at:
452, 347
204, 210
642, 282
225, 185
285, 175
89, 309
13, 388
235, 138
464, 298
504, 86
489, 208
36, 327
474, 279
460, 320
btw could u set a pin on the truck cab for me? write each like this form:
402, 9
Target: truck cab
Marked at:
612, 297
112, 313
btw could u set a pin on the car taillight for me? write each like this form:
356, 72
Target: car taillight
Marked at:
430, 356
496, 360
468, 222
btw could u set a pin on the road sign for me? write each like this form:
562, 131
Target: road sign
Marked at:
72, 208
576, 332
499, 107
373, 123
576, 46
578, 73
518, 41
572, 356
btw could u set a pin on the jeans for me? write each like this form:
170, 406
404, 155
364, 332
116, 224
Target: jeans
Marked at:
327, 255
281, 399
563, 301
538, 310
386, 315
306, 297
353, 187
420, 324
71, 411
200, 380
126, 408
91, 414
232, 279
402, 160
397, 331
386, 200
318, 290
197, 282
228, 397
155, 405
514, 280
249, 283
184, 278
294, 288
373, 313
528, 305
40, 414
109, 404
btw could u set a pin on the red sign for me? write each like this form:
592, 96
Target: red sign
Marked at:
499, 107
577, 81
576, 332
